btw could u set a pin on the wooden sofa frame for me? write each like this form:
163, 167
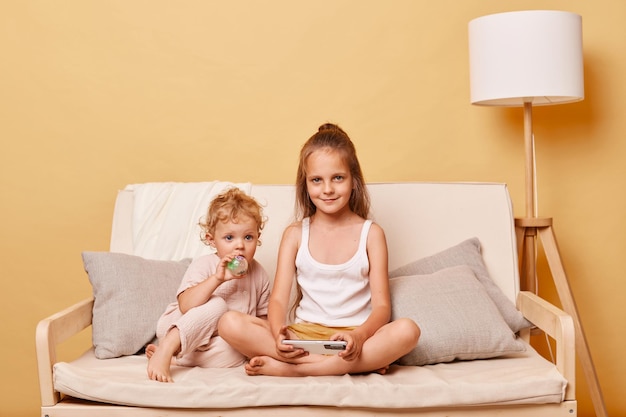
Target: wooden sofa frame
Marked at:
65, 324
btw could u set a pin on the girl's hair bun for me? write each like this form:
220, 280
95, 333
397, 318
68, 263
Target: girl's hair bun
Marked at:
330, 126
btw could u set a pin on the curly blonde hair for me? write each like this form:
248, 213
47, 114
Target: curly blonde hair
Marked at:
230, 205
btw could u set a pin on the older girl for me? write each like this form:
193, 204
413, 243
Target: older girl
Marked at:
339, 258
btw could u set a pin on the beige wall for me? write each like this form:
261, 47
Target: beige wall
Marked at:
95, 95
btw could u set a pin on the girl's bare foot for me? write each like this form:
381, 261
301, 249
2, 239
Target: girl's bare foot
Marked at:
265, 365
382, 371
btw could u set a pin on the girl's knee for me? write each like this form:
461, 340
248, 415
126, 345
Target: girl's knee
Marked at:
232, 322
228, 320
409, 329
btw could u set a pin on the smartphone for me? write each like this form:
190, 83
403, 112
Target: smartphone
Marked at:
324, 347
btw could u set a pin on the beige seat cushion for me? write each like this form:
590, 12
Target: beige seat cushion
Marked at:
520, 379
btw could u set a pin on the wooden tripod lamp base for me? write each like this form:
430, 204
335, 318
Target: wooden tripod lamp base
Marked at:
528, 230
504, 57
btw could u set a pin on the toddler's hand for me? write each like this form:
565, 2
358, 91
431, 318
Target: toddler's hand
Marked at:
238, 266
224, 272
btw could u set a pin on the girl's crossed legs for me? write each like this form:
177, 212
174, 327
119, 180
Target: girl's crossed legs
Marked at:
252, 337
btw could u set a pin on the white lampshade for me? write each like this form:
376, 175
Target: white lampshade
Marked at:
534, 56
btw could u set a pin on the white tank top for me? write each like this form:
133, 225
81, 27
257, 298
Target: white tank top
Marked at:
334, 295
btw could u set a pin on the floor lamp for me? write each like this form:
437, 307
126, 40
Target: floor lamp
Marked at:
525, 59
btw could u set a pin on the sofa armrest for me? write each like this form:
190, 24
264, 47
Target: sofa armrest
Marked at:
52, 331
558, 325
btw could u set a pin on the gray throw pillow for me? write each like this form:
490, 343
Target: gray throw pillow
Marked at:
458, 319
467, 253
130, 295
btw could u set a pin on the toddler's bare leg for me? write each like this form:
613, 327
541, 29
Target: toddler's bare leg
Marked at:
160, 360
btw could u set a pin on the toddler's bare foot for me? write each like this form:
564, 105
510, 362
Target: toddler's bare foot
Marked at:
158, 364
150, 349
265, 365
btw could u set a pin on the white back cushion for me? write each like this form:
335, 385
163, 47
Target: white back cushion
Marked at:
419, 219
